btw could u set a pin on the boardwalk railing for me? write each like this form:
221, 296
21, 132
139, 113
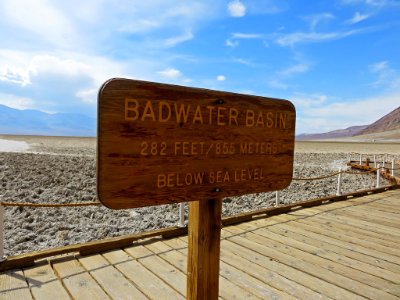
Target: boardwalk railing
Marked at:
380, 169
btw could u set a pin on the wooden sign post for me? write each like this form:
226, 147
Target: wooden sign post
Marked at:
163, 144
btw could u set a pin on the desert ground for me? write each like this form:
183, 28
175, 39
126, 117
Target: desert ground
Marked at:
63, 170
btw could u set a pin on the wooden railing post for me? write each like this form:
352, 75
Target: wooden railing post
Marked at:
2, 256
204, 249
181, 214
392, 173
378, 175
339, 183
276, 198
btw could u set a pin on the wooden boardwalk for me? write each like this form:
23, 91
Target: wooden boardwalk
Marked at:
343, 250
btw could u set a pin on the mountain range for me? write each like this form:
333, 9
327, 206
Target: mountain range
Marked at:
35, 122
386, 127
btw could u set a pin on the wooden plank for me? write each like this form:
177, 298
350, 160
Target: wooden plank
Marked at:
168, 273
308, 281
323, 245
350, 227
383, 278
332, 284
78, 282
361, 223
247, 282
165, 250
251, 284
371, 217
330, 262
110, 279
361, 208
14, 286
339, 240
376, 209
354, 225
342, 276
160, 144
351, 237
341, 226
386, 208
43, 283
268, 262
270, 278
146, 281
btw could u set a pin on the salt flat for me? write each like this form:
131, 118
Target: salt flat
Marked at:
63, 170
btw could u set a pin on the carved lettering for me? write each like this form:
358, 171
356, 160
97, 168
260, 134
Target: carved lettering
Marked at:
182, 113
131, 110
164, 107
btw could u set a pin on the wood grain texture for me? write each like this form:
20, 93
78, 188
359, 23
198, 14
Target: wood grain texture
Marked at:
204, 249
160, 144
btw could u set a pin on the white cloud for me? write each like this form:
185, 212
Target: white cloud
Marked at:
243, 61
373, 3
293, 70
357, 18
277, 84
40, 18
315, 114
314, 20
88, 96
15, 101
236, 8
386, 76
231, 43
15, 75
170, 73
52, 64
221, 78
247, 36
313, 37
306, 101
172, 41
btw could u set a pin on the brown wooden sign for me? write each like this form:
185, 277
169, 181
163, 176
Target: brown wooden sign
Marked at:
160, 144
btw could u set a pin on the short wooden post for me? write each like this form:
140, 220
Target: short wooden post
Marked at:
181, 214
360, 159
204, 249
392, 173
374, 160
276, 198
339, 183
378, 175
2, 256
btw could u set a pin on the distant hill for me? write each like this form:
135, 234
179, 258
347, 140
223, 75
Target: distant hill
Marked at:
390, 123
350, 131
35, 122
387, 123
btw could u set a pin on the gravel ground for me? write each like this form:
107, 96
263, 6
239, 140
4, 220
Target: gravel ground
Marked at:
62, 174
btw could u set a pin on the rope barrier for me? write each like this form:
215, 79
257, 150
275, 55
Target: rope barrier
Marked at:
359, 173
317, 178
48, 204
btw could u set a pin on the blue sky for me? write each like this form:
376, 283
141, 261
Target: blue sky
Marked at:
338, 61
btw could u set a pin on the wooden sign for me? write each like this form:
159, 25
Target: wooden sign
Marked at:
160, 144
